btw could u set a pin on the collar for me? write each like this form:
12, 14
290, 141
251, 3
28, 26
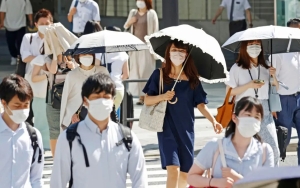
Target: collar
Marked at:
92, 126
230, 151
3, 125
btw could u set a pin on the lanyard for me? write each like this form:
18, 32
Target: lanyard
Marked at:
255, 90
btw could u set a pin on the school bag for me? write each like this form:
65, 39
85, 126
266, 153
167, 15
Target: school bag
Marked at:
72, 133
282, 135
129, 108
21, 66
34, 142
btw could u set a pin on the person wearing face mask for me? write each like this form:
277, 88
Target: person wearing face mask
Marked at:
141, 22
109, 162
71, 101
81, 11
176, 142
243, 148
32, 50
250, 76
17, 165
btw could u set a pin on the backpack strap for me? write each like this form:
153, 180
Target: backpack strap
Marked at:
34, 142
127, 138
30, 41
264, 157
71, 134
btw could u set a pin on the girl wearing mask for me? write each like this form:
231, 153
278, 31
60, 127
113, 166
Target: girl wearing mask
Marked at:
32, 54
176, 142
71, 101
243, 149
141, 22
250, 77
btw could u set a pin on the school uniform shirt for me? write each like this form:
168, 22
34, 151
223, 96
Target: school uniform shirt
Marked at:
238, 9
253, 157
16, 156
239, 76
15, 13
88, 10
109, 163
287, 71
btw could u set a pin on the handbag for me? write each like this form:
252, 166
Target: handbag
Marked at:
21, 66
225, 111
152, 117
220, 151
274, 99
56, 95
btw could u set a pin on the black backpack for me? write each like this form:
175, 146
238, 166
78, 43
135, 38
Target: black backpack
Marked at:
21, 66
34, 142
72, 133
282, 135
130, 108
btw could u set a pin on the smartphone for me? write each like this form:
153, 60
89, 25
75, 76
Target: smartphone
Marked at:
259, 81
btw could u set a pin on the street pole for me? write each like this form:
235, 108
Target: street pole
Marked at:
170, 13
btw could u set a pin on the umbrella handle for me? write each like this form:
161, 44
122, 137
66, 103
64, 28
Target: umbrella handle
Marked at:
174, 101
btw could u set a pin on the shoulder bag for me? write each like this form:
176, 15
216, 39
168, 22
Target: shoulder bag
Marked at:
225, 111
152, 117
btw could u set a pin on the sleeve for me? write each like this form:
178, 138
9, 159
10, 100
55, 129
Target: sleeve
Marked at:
36, 170
269, 156
137, 165
96, 13
155, 22
64, 100
152, 86
61, 172
199, 95
72, 5
246, 5
3, 7
25, 49
28, 8
223, 3
129, 17
276, 63
233, 76
205, 157
98, 56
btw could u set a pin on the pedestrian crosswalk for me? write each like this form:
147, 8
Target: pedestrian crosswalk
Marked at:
156, 176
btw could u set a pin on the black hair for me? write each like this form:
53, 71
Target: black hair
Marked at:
97, 83
113, 28
13, 85
247, 104
293, 182
92, 27
294, 21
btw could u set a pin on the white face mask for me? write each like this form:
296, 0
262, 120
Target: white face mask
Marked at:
42, 29
248, 126
140, 4
86, 60
18, 116
101, 108
177, 58
254, 50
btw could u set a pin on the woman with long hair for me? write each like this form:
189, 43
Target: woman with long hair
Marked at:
243, 149
176, 142
141, 22
250, 76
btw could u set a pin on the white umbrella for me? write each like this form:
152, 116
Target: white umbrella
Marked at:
105, 42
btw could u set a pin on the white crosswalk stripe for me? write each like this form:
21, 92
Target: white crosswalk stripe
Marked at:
156, 176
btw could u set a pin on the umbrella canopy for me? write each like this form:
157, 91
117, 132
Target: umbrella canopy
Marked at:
275, 39
105, 42
268, 177
206, 51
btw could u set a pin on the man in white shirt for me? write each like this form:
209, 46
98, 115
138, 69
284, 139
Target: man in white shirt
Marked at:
236, 10
21, 163
12, 17
288, 72
99, 153
82, 11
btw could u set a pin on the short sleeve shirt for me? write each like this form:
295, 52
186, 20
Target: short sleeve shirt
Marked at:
238, 9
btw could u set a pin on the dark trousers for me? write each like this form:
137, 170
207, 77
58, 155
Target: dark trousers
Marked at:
290, 116
237, 26
14, 40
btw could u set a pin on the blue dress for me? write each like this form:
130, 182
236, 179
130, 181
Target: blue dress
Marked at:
176, 142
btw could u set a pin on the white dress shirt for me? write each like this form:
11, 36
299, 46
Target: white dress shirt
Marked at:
287, 71
88, 10
16, 157
109, 163
238, 10
15, 13
239, 76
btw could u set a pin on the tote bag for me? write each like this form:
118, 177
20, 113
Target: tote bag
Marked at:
225, 111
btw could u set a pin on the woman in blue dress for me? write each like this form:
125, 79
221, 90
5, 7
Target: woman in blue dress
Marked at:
176, 142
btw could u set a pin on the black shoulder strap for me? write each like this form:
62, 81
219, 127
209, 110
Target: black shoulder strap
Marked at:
71, 134
34, 142
30, 41
127, 138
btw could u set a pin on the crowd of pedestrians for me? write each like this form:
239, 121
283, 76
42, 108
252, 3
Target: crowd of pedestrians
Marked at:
92, 92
